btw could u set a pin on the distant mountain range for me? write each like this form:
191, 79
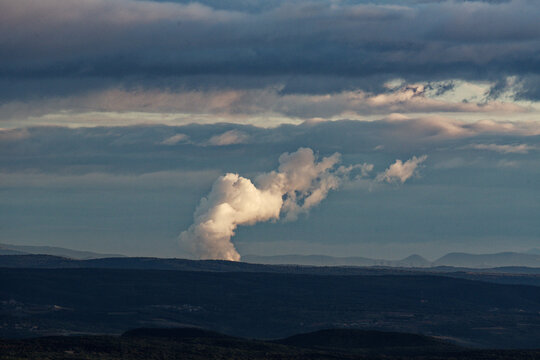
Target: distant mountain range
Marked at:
463, 260
324, 260
8, 249
531, 258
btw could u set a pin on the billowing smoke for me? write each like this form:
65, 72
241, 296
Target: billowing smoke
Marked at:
301, 182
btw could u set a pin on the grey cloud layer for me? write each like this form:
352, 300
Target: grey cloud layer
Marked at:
196, 147
137, 42
241, 105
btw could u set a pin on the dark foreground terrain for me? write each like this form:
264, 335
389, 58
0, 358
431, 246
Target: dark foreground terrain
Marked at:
186, 343
42, 302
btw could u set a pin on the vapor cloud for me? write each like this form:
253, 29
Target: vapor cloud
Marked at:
504, 149
230, 137
401, 171
175, 139
138, 105
301, 182
13, 134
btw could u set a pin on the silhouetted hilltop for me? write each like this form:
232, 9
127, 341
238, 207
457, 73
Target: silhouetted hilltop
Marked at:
414, 261
169, 344
530, 259
54, 262
4, 251
351, 339
313, 260
461, 260
522, 275
325, 260
265, 305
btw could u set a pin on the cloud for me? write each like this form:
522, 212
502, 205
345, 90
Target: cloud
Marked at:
503, 149
188, 44
13, 134
135, 149
439, 128
230, 137
401, 171
300, 183
119, 12
412, 98
257, 106
175, 139
503, 163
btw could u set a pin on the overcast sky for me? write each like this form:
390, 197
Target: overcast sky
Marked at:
117, 116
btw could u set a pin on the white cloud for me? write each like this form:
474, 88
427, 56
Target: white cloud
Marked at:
13, 134
436, 128
239, 106
300, 183
175, 139
503, 149
401, 171
504, 163
230, 137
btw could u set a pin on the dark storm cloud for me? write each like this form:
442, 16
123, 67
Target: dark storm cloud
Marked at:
139, 41
521, 87
527, 88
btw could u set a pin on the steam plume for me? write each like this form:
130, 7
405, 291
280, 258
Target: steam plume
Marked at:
300, 183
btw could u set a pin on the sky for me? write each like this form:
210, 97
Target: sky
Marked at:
118, 116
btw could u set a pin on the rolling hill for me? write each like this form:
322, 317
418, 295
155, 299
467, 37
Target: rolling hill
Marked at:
37, 302
199, 344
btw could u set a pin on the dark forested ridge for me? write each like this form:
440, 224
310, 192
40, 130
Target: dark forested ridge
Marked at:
37, 302
45, 261
513, 274
198, 344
